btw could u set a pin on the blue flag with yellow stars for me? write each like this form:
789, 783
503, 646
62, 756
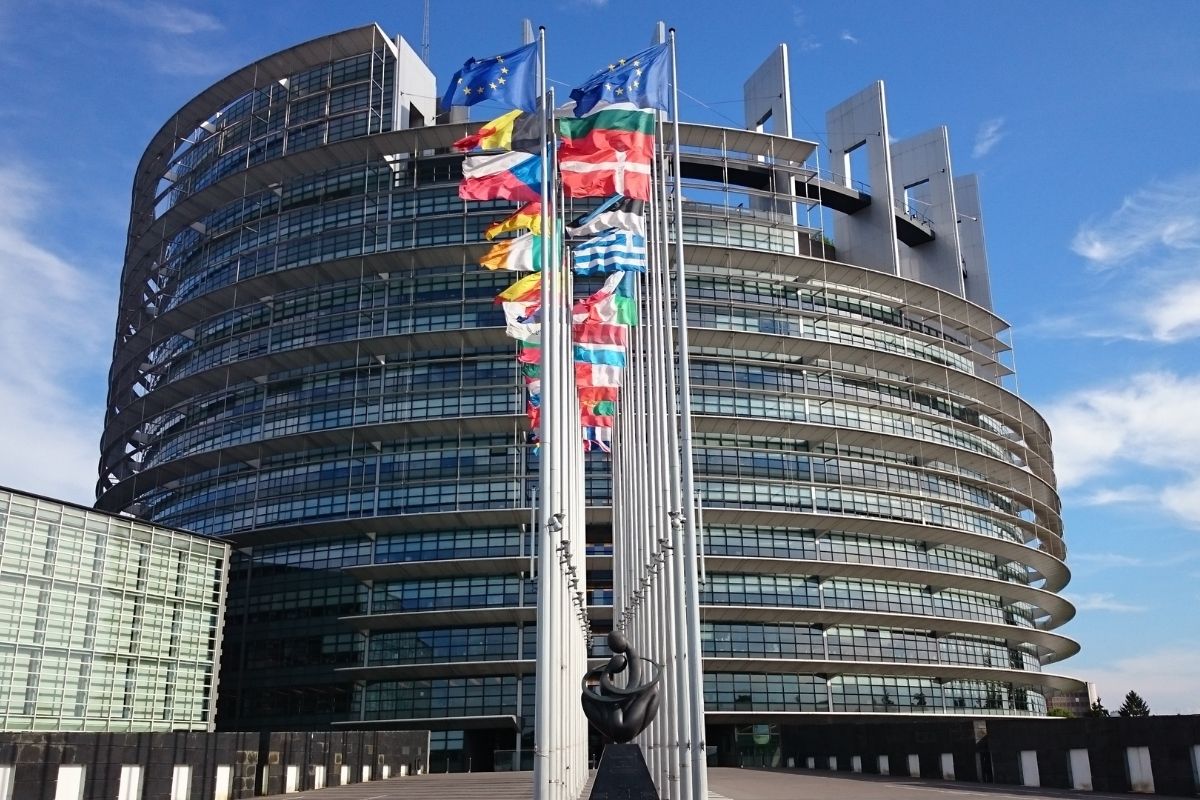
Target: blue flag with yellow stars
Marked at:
510, 79
639, 79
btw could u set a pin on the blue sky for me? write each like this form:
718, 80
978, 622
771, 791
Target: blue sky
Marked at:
1080, 117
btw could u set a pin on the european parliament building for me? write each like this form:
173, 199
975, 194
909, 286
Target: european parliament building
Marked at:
309, 364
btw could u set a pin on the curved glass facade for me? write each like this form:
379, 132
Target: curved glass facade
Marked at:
309, 364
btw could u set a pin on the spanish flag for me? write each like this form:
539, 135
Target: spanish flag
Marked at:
525, 290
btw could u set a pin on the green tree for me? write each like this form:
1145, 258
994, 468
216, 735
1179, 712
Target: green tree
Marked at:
1134, 706
1098, 709
1058, 712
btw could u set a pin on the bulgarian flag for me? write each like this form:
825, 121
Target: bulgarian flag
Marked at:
607, 152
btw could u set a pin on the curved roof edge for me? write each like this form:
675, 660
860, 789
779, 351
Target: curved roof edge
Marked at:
269, 68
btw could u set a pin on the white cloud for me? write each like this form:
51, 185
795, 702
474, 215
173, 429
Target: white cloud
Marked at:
1095, 562
1167, 679
54, 334
1174, 314
162, 17
847, 36
1102, 601
1158, 219
1105, 560
988, 136
1145, 422
1148, 419
807, 42
180, 58
1147, 253
1120, 495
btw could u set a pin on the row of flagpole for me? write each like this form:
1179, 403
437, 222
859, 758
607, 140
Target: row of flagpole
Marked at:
615, 143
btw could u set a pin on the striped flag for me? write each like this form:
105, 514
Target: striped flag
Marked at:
618, 211
598, 438
614, 251
522, 254
612, 355
595, 375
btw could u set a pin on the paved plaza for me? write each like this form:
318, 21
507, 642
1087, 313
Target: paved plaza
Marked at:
756, 784
724, 784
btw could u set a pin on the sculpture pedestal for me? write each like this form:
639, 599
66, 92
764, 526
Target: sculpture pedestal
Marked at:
623, 775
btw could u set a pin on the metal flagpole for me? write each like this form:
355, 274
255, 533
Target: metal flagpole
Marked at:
682, 680
664, 604
691, 584
547, 495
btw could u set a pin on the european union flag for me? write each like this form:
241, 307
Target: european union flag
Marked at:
639, 79
509, 78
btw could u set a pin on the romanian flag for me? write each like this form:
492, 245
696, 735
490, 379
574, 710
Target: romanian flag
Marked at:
528, 289
516, 130
502, 176
527, 216
522, 254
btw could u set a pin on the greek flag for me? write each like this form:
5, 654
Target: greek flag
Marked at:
613, 251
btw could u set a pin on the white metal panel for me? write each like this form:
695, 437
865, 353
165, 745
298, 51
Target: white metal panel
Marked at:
1137, 763
8, 775
70, 782
1030, 776
130, 786
1080, 765
856, 763
223, 790
181, 782
810, 763
291, 779
948, 766
366, 773
344, 775
385, 771
914, 765
319, 776
833, 763
884, 764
